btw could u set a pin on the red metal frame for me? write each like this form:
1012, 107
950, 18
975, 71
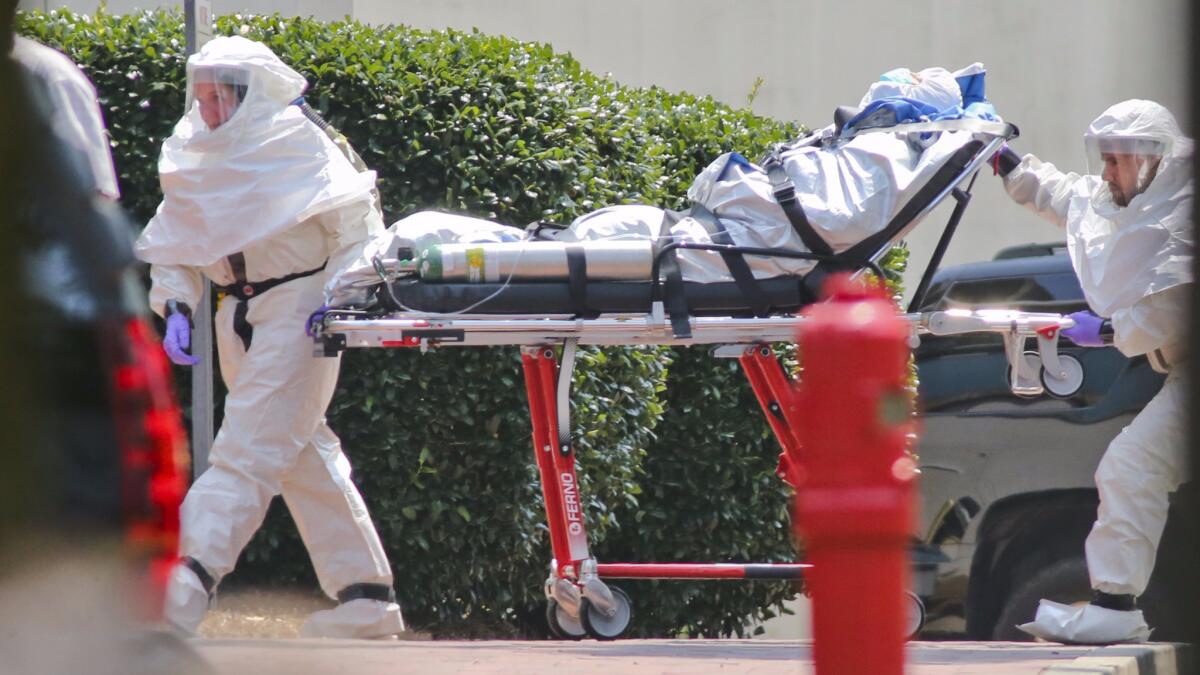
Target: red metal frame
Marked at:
556, 469
556, 464
776, 396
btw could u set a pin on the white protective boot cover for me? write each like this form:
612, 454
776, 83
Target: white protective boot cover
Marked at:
186, 600
361, 619
1086, 624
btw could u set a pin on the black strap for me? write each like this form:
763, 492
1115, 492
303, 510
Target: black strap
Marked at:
244, 290
206, 579
785, 193
237, 263
535, 229
755, 298
241, 325
855, 256
380, 592
1120, 603
577, 277
674, 297
940, 181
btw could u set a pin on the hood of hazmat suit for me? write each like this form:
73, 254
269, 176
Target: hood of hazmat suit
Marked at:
262, 170
1124, 252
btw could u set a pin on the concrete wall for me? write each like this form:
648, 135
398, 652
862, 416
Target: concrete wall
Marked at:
1053, 66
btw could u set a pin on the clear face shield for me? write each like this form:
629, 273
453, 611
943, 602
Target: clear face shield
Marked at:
1126, 165
217, 92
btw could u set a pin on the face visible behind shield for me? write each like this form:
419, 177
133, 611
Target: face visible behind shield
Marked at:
1133, 147
217, 93
236, 89
264, 169
1125, 165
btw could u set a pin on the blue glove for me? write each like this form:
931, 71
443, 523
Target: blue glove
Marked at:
178, 340
1086, 331
310, 326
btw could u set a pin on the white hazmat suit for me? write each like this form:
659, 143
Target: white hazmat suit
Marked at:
1134, 264
76, 115
266, 206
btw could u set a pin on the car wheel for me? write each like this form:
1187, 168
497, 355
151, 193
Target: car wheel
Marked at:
1064, 580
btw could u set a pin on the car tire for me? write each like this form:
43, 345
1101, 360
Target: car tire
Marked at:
1064, 580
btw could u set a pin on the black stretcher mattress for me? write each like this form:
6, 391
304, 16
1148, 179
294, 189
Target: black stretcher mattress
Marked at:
784, 294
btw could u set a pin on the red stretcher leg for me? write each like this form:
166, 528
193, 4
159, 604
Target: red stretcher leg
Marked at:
775, 393
556, 463
543, 447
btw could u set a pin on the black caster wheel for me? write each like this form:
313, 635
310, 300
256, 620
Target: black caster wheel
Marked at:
563, 625
601, 626
914, 617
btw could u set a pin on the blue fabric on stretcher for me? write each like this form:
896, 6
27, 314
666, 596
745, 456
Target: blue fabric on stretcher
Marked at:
972, 88
894, 110
736, 159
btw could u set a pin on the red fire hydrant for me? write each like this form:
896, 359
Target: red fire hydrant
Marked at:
854, 501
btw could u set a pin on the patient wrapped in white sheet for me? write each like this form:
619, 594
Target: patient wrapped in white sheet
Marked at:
849, 189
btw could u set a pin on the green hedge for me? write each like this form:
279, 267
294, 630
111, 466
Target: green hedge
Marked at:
676, 461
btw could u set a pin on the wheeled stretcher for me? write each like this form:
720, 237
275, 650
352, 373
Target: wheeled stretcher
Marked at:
550, 319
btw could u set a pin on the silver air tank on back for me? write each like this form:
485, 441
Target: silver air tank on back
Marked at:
534, 261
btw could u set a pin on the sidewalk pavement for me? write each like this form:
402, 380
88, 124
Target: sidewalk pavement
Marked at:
751, 657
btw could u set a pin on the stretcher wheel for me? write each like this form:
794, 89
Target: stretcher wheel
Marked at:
1070, 383
563, 625
603, 627
1032, 388
915, 615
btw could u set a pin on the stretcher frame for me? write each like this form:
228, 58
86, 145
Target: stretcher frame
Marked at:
579, 602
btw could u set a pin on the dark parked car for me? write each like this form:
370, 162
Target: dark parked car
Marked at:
1006, 482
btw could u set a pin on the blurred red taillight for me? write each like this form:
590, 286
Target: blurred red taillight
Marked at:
154, 452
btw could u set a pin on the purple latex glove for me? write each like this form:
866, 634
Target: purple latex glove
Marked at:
310, 326
178, 340
1086, 331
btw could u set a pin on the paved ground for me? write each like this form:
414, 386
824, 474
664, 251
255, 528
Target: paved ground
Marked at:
752, 657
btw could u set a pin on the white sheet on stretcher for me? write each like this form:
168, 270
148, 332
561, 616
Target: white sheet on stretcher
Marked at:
848, 192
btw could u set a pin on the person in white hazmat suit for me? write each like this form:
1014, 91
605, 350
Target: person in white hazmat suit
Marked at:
77, 117
847, 189
1129, 234
258, 199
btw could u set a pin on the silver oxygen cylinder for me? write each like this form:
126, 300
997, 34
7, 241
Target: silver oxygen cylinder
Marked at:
493, 262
